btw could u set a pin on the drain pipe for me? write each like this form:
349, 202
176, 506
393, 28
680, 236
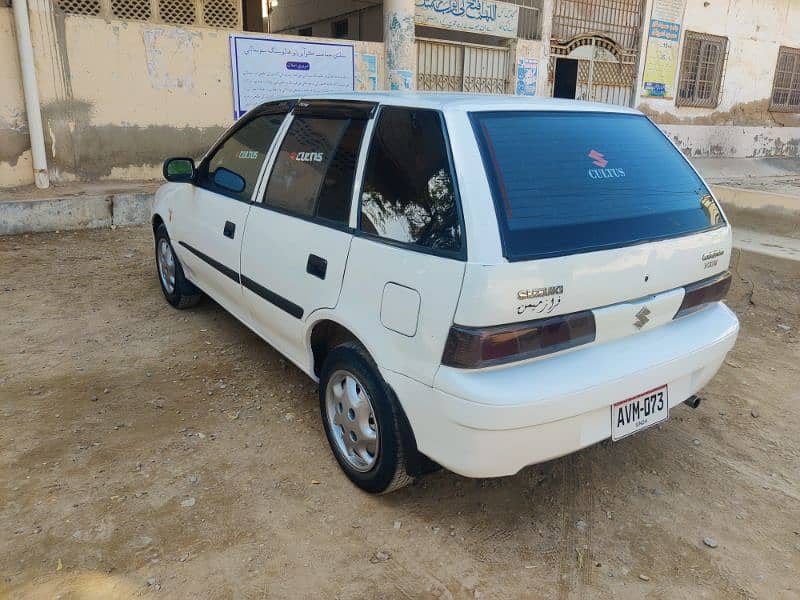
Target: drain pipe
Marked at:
31, 91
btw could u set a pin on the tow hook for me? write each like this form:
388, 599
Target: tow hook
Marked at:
693, 401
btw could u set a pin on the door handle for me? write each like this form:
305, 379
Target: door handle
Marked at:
316, 266
229, 230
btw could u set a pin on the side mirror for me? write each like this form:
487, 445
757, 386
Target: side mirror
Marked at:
228, 180
180, 170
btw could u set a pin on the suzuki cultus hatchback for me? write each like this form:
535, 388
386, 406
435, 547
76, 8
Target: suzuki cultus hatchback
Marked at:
479, 282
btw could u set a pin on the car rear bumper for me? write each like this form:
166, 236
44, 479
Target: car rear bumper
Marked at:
494, 422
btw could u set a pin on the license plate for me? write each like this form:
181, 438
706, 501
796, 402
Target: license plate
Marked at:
640, 412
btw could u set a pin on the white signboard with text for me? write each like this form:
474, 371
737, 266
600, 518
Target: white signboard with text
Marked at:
265, 68
476, 16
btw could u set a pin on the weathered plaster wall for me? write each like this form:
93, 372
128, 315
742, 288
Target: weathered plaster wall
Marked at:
119, 97
15, 147
741, 125
538, 49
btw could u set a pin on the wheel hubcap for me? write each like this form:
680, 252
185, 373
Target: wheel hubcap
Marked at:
166, 265
352, 420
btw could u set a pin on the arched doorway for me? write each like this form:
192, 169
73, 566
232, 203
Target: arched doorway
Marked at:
594, 68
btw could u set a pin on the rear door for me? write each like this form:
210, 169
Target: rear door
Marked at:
595, 209
407, 259
298, 235
210, 226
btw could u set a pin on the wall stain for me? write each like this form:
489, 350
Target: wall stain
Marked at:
744, 114
13, 144
90, 151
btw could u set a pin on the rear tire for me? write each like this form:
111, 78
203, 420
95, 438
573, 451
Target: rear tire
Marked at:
365, 426
179, 291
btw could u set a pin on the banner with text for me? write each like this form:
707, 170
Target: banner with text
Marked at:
663, 41
475, 16
265, 68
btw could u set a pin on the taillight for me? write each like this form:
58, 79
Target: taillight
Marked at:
476, 347
704, 292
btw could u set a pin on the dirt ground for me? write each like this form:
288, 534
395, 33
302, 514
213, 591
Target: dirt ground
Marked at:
150, 452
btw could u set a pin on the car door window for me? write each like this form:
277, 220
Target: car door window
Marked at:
314, 170
242, 153
408, 194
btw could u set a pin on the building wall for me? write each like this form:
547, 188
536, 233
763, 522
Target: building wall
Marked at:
119, 97
741, 125
15, 148
365, 18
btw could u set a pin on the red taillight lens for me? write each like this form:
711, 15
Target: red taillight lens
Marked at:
704, 292
476, 347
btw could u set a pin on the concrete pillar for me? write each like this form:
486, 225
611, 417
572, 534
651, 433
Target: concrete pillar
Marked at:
400, 49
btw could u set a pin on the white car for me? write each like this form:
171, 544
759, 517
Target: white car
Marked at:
482, 282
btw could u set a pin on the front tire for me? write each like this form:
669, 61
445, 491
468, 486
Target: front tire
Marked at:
362, 421
179, 291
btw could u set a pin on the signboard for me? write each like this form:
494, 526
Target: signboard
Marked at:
663, 42
265, 68
527, 75
475, 16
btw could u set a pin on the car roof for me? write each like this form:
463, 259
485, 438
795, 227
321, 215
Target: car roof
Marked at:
472, 102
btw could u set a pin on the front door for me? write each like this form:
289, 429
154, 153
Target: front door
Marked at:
298, 236
209, 238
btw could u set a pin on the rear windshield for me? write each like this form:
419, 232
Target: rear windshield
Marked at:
569, 182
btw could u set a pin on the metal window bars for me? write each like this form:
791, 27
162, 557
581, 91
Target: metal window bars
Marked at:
701, 71
530, 18
786, 85
222, 14
620, 20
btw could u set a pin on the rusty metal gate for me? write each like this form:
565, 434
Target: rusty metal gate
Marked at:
459, 67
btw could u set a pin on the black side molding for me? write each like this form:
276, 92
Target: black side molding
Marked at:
273, 298
258, 289
227, 271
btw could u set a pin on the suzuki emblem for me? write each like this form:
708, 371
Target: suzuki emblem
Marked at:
641, 317
598, 158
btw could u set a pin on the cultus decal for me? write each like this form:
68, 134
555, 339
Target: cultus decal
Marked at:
306, 156
598, 158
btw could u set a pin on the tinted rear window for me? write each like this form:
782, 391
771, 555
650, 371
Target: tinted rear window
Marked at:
569, 182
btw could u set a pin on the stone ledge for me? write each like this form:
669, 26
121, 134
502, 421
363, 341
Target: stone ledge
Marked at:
74, 212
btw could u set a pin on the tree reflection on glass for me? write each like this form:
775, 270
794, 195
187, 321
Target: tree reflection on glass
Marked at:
408, 193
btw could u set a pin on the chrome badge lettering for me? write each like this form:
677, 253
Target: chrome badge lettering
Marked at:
713, 254
710, 258
555, 290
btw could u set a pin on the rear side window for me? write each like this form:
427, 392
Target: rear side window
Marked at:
314, 171
408, 194
242, 153
570, 182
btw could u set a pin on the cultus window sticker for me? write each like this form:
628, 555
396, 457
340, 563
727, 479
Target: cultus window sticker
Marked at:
248, 154
306, 156
598, 158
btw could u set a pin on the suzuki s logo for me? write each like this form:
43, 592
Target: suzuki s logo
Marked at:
599, 159
641, 318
